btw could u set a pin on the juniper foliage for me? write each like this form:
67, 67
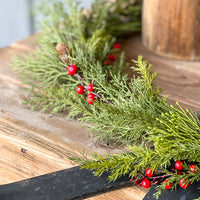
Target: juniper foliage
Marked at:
175, 136
136, 114
135, 103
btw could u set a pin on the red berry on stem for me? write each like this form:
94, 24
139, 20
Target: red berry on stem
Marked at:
178, 172
111, 57
116, 46
80, 89
149, 172
107, 62
193, 168
90, 87
132, 179
72, 69
146, 183
179, 165
183, 184
167, 186
136, 182
90, 98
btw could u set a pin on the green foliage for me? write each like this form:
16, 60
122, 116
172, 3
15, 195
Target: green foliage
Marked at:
89, 37
119, 165
121, 18
128, 111
177, 135
135, 107
115, 17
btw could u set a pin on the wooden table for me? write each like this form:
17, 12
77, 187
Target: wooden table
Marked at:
32, 143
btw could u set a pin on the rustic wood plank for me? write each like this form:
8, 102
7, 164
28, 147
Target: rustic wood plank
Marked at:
28, 44
25, 154
128, 193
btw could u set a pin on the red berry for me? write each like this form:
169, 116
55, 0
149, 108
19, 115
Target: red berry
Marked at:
90, 98
80, 89
178, 172
136, 182
133, 179
72, 69
149, 172
193, 168
116, 46
179, 165
183, 184
90, 87
111, 57
167, 186
146, 183
107, 62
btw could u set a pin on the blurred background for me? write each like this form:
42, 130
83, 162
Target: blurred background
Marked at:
16, 22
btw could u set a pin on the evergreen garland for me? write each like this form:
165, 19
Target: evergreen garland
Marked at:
124, 111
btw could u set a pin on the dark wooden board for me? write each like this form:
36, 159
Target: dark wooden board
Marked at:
66, 184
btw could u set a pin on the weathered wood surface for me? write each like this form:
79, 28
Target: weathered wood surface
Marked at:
172, 28
129, 193
33, 144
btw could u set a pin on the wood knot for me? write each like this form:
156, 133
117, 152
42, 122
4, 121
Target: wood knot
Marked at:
23, 150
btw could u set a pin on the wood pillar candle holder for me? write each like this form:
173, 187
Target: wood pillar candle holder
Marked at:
171, 28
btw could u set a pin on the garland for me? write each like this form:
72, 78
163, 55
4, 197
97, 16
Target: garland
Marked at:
79, 67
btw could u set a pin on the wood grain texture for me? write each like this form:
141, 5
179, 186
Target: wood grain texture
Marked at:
129, 193
172, 28
28, 44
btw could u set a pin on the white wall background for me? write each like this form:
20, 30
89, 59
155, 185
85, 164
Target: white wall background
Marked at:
15, 20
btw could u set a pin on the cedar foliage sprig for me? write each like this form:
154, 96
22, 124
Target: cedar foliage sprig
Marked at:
175, 135
134, 104
116, 17
137, 114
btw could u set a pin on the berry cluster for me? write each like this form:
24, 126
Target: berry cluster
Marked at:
111, 57
73, 70
91, 96
148, 179
62, 50
180, 166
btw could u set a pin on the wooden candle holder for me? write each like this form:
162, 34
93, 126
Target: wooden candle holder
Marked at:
171, 28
